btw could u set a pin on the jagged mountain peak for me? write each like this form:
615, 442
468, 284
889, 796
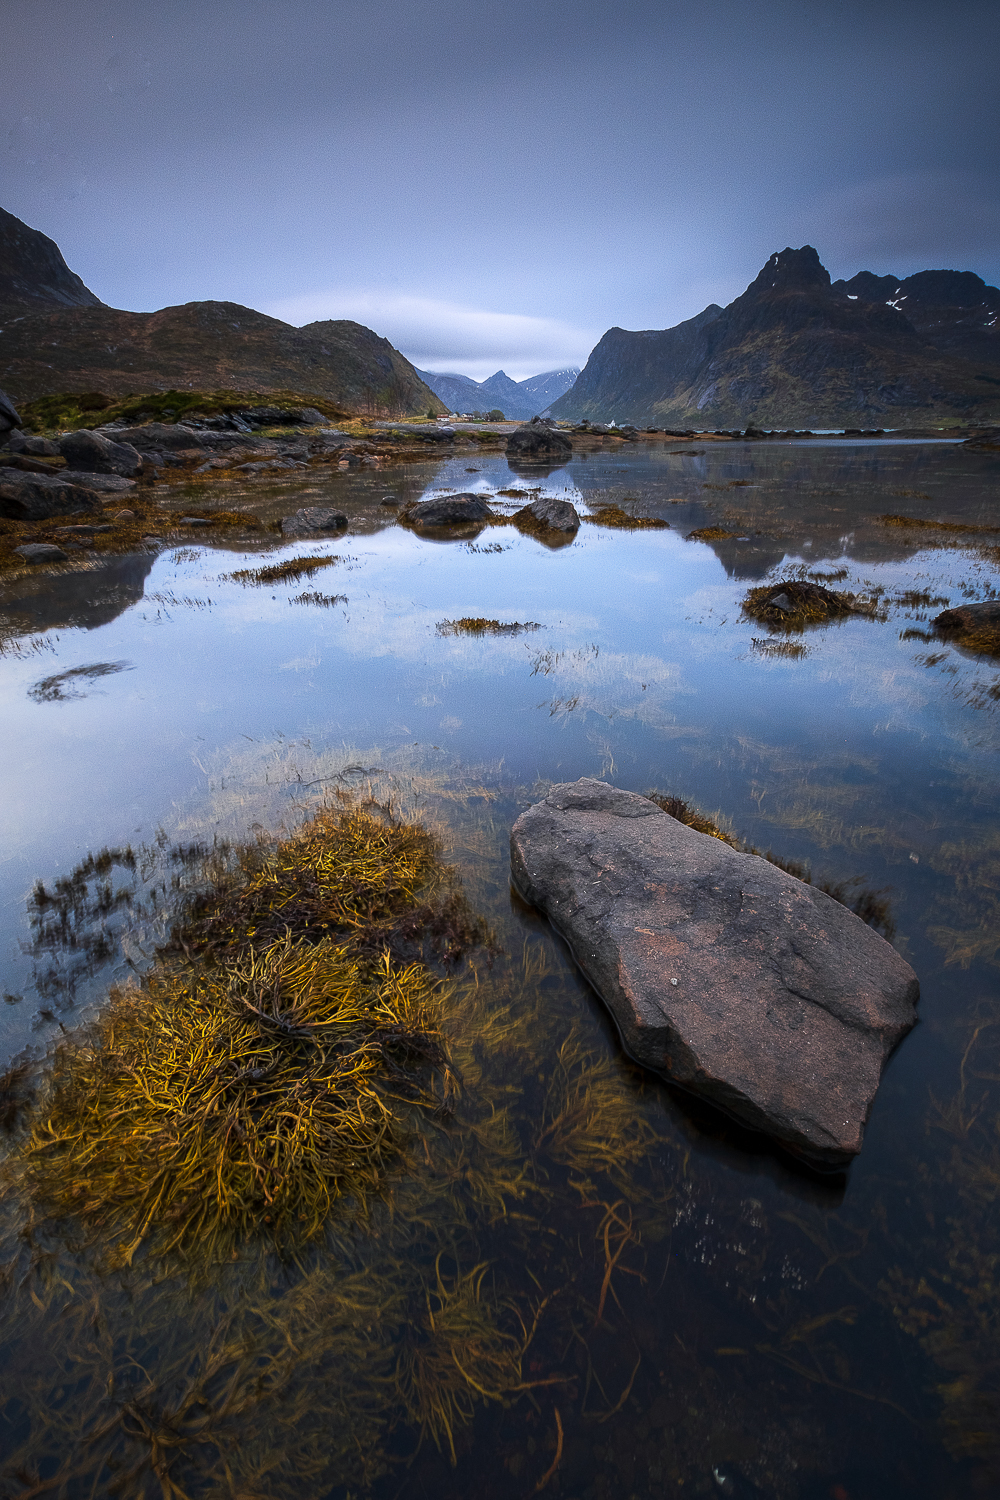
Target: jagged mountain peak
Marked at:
791, 270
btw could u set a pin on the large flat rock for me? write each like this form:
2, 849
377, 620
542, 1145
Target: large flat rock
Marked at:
724, 973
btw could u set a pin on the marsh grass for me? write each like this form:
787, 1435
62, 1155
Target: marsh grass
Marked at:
284, 572
617, 519
711, 534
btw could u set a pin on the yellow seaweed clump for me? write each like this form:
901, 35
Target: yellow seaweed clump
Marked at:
273, 1072
617, 519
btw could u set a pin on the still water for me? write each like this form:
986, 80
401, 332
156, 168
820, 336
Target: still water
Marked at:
694, 1301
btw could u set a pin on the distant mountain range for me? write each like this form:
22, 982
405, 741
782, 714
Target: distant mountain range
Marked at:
56, 336
515, 398
796, 350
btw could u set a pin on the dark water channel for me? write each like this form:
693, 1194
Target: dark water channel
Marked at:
694, 1300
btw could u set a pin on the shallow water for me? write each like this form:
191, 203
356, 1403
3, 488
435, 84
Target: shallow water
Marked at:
813, 1334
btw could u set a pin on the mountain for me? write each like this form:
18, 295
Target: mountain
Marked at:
954, 310
515, 398
55, 336
33, 272
796, 350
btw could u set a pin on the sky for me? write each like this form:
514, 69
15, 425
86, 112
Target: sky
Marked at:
493, 185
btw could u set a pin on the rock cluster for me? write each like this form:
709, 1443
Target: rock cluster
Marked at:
727, 975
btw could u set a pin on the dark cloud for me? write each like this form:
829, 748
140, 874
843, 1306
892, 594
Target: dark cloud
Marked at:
568, 165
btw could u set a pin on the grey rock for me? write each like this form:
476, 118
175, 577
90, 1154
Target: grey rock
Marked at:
557, 515
310, 417
312, 520
390, 502
104, 484
41, 552
37, 497
8, 413
35, 447
193, 521
725, 974
449, 510
77, 533
538, 439
91, 453
163, 435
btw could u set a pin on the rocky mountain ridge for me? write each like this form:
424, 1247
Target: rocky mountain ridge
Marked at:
796, 350
56, 336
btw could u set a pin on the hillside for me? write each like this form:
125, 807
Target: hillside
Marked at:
515, 398
50, 344
33, 272
954, 310
792, 351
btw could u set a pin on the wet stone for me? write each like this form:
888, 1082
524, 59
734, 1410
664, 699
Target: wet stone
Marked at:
41, 552
450, 510
312, 520
786, 1005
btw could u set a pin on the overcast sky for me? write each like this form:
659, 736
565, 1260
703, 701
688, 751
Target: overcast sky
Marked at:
495, 184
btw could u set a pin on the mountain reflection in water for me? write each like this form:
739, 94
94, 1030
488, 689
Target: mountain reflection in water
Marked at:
582, 1281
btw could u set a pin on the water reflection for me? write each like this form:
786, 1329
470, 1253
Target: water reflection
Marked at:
691, 1298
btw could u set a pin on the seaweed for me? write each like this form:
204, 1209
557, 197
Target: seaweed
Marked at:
478, 626
614, 517
794, 603
284, 572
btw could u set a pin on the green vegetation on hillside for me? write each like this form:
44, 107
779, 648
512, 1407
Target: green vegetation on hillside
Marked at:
70, 410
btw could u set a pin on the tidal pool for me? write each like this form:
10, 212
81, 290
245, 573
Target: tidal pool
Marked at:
585, 1283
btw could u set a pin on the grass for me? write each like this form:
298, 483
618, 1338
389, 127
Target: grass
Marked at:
285, 572
267, 1070
74, 409
711, 534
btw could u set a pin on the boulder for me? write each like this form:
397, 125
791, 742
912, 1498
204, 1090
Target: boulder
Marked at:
35, 447
37, 497
449, 510
312, 520
9, 418
104, 484
41, 552
557, 515
160, 435
90, 453
538, 438
968, 617
725, 974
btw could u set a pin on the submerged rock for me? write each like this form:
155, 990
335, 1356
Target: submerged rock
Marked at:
92, 453
37, 497
724, 973
449, 510
311, 520
537, 438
